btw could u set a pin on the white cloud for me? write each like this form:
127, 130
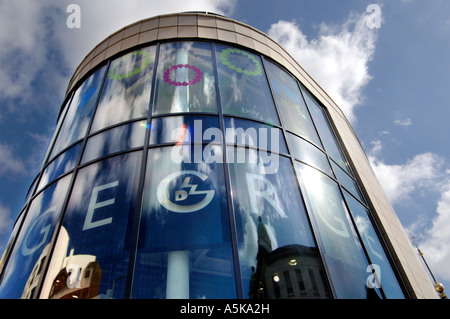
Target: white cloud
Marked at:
101, 18
5, 219
34, 37
337, 58
377, 147
435, 241
10, 163
406, 122
21, 46
424, 172
399, 181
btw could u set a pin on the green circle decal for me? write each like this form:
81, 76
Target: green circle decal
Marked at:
225, 55
145, 62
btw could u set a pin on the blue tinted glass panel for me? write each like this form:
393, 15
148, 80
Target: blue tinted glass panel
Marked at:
126, 94
58, 126
185, 79
24, 267
325, 132
276, 246
114, 140
60, 165
184, 244
186, 129
347, 182
386, 277
31, 189
341, 249
244, 90
293, 110
308, 153
92, 249
248, 133
76, 121
10, 244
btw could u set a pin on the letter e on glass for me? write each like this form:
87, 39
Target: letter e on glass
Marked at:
93, 205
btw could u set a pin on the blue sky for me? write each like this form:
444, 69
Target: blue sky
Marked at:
392, 83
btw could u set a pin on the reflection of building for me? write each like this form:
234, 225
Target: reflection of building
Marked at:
35, 275
291, 271
79, 275
138, 196
295, 272
86, 285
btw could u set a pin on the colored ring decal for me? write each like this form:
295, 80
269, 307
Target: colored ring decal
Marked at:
198, 75
146, 61
223, 56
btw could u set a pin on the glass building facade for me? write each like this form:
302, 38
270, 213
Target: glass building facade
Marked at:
196, 168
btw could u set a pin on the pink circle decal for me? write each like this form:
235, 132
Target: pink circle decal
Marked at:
197, 78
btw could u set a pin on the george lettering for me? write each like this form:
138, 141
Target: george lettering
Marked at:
333, 222
93, 205
45, 231
261, 187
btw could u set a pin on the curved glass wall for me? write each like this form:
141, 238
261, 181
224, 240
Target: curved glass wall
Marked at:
126, 92
195, 170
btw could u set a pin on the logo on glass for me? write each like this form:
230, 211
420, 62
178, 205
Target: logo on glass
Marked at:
226, 56
184, 198
116, 72
173, 69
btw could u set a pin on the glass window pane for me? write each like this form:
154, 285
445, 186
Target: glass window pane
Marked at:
114, 140
90, 259
10, 245
308, 153
249, 133
244, 90
184, 245
126, 94
61, 117
31, 189
341, 249
24, 268
185, 129
79, 113
61, 165
185, 80
347, 182
293, 110
274, 234
324, 129
380, 261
